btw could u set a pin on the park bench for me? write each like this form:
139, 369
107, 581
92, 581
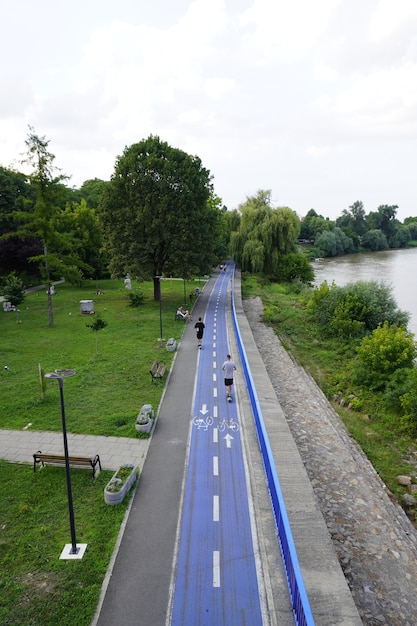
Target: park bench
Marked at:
158, 370
59, 460
181, 318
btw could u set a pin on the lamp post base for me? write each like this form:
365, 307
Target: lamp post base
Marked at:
68, 554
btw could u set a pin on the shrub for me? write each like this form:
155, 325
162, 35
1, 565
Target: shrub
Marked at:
387, 349
136, 299
355, 309
409, 399
294, 267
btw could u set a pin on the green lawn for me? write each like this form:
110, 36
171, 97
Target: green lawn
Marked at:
103, 398
110, 385
36, 587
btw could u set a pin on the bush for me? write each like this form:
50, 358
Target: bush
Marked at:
398, 385
294, 267
380, 354
355, 309
409, 399
136, 299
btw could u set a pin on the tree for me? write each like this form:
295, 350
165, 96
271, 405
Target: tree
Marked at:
354, 218
98, 324
265, 235
43, 220
92, 190
388, 221
156, 213
313, 224
14, 192
332, 243
13, 290
82, 239
374, 240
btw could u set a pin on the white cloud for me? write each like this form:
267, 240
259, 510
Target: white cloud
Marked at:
302, 98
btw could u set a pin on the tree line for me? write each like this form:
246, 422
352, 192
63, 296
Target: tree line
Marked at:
355, 230
159, 215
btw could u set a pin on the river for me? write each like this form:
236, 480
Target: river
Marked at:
396, 268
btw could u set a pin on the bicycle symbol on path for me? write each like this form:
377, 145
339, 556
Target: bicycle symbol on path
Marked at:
203, 422
224, 424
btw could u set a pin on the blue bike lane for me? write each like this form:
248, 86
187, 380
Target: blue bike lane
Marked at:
216, 578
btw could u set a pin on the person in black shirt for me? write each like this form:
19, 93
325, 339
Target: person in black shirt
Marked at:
199, 326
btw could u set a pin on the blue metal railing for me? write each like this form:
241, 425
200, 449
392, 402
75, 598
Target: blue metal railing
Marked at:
299, 598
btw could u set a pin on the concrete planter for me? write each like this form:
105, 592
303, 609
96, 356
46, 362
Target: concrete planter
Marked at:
145, 419
115, 491
171, 345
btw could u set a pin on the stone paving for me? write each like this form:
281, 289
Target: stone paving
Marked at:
375, 541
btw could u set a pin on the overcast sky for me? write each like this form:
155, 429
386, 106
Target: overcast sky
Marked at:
316, 101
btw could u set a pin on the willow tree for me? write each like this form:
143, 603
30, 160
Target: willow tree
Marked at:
157, 215
265, 235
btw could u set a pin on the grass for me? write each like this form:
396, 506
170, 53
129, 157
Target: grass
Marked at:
103, 398
36, 587
110, 385
390, 446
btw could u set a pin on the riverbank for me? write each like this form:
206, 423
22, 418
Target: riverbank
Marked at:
375, 541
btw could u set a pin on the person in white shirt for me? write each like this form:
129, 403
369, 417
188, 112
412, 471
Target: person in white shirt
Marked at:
228, 367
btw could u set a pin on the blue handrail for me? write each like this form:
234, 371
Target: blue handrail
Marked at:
300, 603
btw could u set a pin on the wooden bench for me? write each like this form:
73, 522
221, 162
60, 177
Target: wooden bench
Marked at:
158, 370
59, 460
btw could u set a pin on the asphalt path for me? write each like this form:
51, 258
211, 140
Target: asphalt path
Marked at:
215, 577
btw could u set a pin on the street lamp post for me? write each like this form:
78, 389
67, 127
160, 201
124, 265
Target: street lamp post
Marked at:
75, 551
160, 307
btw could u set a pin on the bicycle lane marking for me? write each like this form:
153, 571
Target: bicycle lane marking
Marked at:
216, 581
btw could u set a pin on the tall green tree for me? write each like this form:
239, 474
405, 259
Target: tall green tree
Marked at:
42, 222
265, 235
91, 191
156, 213
82, 239
354, 218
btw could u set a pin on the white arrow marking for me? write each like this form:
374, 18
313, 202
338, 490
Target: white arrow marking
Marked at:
228, 440
204, 409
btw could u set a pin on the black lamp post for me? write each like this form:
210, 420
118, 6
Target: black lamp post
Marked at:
59, 375
160, 307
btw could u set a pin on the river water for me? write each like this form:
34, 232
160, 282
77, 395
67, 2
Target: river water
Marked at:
396, 268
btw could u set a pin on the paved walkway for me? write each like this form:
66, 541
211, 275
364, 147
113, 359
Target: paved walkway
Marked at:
19, 446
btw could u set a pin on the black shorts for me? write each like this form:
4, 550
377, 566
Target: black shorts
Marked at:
228, 381
199, 335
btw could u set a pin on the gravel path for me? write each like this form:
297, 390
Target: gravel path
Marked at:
375, 541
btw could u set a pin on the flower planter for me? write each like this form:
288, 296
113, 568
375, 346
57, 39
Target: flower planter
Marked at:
119, 484
145, 419
171, 345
